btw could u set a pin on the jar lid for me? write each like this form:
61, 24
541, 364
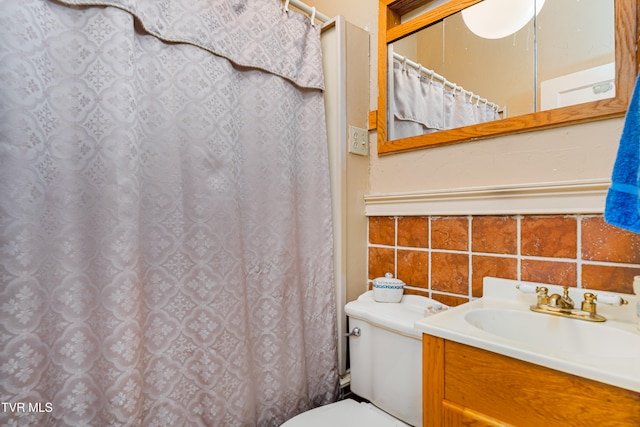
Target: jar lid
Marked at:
388, 280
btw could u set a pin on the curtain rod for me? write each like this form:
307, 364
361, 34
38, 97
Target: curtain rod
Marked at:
307, 9
444, 81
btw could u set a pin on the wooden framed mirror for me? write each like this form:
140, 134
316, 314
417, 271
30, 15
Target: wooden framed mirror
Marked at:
398, 19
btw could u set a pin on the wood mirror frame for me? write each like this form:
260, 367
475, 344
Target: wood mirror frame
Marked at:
391, 29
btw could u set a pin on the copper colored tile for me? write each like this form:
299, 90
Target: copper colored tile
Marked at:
482, 266
450, 272
450, 300
413, 268
554, 273
494, 234
413, 232
382, 230
381, 261
604, 242
450, 233
606, 278
549, 236
423, 293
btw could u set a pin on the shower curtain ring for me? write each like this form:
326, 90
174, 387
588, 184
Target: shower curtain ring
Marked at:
313, 16
286, 6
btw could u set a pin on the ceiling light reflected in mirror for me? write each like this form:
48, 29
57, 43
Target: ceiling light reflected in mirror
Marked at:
495, 19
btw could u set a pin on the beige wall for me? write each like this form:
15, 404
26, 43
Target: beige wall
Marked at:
577, 152
580, 152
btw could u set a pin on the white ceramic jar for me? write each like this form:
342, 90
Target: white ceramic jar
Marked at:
388, 289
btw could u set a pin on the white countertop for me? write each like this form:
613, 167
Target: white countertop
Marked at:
618, 361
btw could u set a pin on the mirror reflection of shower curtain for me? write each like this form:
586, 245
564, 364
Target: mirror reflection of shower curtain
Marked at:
417, 102
422, 104
165, 214
458, 110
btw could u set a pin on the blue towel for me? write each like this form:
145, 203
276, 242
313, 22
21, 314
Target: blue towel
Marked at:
622, 207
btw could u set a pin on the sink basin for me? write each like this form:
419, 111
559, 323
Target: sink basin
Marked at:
557, 334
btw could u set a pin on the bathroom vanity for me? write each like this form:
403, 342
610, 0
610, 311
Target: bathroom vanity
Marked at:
467, 386
493, 362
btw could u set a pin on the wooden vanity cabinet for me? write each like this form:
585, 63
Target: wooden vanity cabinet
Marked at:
467, 386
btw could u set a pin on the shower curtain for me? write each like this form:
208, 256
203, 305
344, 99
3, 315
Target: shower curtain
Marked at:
165, 217
424, 105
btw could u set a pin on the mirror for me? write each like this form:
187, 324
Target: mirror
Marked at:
545, 83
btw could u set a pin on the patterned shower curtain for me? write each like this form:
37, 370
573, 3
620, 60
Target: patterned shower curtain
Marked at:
165, 214
424, 105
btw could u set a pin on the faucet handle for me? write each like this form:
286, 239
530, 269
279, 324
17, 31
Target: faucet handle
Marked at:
610, 299
527, 288
589, 304
543, 296
541, 291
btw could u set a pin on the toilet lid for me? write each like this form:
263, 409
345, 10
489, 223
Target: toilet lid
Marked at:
345, 413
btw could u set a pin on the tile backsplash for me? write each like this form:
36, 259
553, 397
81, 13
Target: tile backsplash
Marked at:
446, 257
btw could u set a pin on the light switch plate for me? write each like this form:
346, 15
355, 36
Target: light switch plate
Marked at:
358, 141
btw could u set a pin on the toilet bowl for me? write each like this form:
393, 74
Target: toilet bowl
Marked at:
385, 364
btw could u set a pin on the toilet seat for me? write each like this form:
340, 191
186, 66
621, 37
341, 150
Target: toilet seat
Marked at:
345, 413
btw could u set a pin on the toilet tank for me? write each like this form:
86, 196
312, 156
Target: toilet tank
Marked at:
386, 358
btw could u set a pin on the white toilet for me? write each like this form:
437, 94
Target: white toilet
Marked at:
386, 366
